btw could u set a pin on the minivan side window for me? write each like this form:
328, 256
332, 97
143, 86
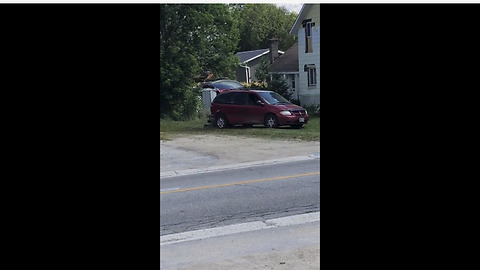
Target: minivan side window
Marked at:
252, 99
239, 98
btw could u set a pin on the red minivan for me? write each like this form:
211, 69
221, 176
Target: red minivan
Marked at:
250, 107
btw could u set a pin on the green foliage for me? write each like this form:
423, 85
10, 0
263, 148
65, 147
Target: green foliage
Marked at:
189, 109
262, 70
194, 38
260, 22
199, 38
278, 84
313, 109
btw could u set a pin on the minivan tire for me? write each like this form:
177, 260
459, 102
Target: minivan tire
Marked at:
271, 121
221, 121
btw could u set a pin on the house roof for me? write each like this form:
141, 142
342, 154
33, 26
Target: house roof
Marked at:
288, 62
248, 56
301, 16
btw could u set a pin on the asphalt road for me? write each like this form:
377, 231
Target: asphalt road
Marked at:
208, 200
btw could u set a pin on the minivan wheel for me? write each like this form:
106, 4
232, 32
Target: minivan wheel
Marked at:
221, 121
271, 121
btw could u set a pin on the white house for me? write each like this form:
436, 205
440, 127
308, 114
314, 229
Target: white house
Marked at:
307, 29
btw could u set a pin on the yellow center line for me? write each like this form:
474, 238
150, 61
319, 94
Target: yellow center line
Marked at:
239, 183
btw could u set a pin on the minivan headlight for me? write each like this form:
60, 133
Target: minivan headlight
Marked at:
285, 113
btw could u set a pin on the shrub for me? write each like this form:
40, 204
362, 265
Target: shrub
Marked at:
313, 109
278, 84
189, 108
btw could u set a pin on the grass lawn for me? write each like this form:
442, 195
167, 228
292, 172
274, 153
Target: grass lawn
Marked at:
170, 129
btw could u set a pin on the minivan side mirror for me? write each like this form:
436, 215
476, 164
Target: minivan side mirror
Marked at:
259, 102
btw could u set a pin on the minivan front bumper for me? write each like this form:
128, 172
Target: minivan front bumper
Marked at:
292, 120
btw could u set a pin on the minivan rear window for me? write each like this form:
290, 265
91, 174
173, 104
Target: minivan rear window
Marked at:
223, 98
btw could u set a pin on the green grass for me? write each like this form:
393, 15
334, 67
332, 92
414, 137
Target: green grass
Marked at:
170, 129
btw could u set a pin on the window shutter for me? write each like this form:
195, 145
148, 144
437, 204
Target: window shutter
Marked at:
308, 48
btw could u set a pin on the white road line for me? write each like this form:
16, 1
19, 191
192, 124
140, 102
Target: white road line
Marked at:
238, 228
233, 166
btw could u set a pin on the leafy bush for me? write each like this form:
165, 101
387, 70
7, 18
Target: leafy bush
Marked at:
188, 108
262, 70
313, 109
278, 84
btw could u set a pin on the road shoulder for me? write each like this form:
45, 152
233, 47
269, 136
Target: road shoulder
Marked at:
284, 243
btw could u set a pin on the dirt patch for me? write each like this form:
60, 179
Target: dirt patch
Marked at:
235, 149
306, 258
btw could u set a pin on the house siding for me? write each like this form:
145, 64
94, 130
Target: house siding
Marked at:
240, 72
254, 64
309, 95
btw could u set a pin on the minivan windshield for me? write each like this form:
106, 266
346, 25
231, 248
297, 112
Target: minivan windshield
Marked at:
273, 98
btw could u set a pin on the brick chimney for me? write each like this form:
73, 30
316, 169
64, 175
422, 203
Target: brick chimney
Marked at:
273, 46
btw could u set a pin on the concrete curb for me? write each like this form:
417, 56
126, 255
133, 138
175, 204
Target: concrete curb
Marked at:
237, 166
239, 228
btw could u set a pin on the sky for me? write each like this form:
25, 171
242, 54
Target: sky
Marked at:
296, 7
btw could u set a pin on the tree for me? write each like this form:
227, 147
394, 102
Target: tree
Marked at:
278, 84
260, 22
194, 38
262, 70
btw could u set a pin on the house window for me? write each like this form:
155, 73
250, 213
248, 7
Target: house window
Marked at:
293, 83
311, 74
307, 25
308, 29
